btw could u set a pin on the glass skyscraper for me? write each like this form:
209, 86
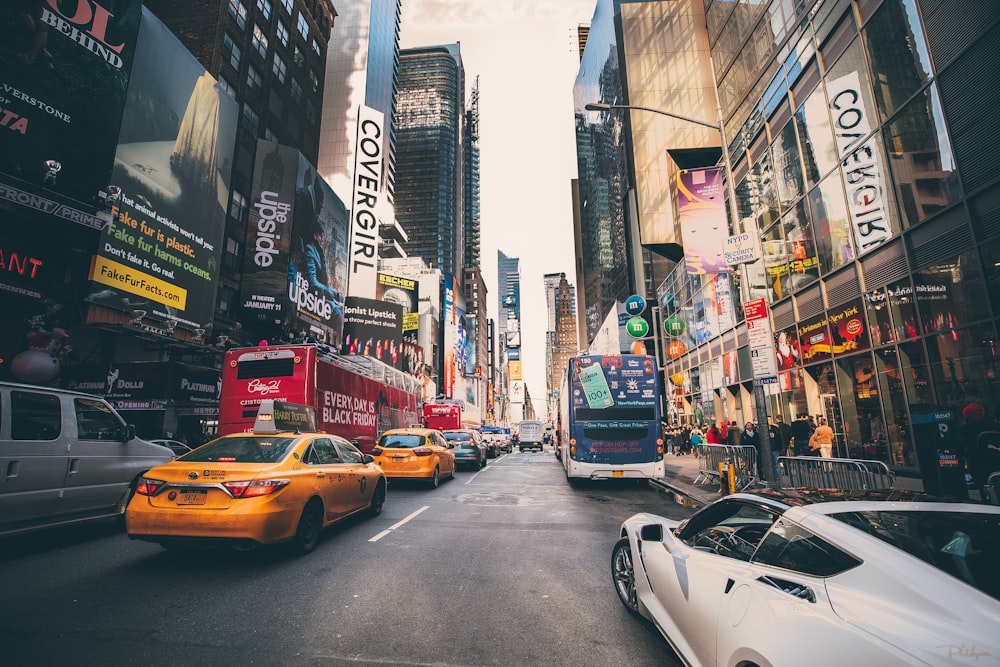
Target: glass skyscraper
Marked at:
430, 108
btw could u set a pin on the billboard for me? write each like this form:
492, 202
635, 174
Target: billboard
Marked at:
160, 255
64, 70
295, 264
374, 329
702, 209
405, 292
368, 203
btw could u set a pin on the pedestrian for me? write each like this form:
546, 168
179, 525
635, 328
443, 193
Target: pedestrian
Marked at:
734, 434
714, 435
822, 439
774, 435
981, 440
749, 435
784, 434
801, 431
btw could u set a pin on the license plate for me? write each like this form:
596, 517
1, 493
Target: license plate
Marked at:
617, 473
192, 498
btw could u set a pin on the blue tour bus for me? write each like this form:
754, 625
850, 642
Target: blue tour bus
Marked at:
609, 418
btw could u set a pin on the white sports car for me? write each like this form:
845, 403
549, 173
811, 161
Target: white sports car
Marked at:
799, 577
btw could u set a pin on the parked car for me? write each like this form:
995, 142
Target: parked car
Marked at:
275, 484
818, 577
469, 448
67, 457
492, 446
415, 453
176, 446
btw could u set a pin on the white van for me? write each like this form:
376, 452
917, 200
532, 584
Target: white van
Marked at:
531, 433
65, 457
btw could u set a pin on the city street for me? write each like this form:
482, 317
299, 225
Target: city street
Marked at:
508, 565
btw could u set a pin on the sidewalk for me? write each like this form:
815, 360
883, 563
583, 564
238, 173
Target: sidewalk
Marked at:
681, 472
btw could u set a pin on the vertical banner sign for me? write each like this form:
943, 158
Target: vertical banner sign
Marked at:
64, 70
367, 202
702, 210
761, 343
450, 336
160, 255
860, 164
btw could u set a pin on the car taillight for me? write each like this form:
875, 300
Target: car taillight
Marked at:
148, 487
255, 488
376, 451
422, 451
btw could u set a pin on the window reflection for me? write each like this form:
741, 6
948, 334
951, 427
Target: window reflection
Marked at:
775, 263
951, 294
831, 224
900, 62
922, 162
803, 265
879, 319
819, 152
897, 426
787, 167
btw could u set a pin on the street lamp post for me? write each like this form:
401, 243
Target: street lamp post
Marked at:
767, 462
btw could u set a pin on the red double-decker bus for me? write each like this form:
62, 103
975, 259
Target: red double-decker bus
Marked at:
355, 397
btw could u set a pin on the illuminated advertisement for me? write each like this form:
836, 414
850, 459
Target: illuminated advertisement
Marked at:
847, 328
702, 209
160, 254
815, 343
295, 264
405, 292
374, 329
64, 70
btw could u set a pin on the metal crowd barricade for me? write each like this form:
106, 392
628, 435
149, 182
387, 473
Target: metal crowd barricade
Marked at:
848, 474
742, 457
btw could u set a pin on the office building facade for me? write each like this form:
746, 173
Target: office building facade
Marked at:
430, 110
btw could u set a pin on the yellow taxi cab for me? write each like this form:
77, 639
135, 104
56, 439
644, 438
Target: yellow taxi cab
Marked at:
282, 482
415, 453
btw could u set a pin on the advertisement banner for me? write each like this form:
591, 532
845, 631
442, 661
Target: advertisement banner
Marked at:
405, 292
516, 391
159, 257
861, 164
702, 209
374, 329
64, 70
368, 201
156, 381
847, 328
815, 343
514, 370
513, 353
295, 265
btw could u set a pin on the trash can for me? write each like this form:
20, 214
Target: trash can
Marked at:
939, 452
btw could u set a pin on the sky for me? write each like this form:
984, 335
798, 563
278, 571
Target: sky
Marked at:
525, 55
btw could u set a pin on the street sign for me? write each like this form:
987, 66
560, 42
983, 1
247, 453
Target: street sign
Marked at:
635, 305
742, 248
760, 337
637, 327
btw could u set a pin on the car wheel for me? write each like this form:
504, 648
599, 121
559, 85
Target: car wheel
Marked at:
378, 499
623, 575
482, 463
435, 479
310, 523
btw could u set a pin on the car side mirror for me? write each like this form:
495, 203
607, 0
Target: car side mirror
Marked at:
367, 458
129, 432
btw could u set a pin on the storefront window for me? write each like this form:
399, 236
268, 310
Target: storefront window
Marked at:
787, 166
803, 265
775, 263
903, 310
831, 224
847, 327
879, 320
864, 435
824, 381
900, 62
991, 271
819, 151
964, 364
893, 397
815, 343
922, 161
786, 347
951, 294
916, 374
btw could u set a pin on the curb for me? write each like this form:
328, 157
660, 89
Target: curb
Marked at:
681, 493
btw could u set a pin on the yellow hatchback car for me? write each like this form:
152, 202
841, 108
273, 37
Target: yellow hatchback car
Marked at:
264, 487
415, 453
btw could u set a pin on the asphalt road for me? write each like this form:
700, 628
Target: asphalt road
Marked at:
506, 566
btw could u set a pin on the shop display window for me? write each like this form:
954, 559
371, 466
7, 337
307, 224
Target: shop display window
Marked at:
951, 294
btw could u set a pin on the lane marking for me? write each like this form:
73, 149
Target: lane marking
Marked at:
398, 524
